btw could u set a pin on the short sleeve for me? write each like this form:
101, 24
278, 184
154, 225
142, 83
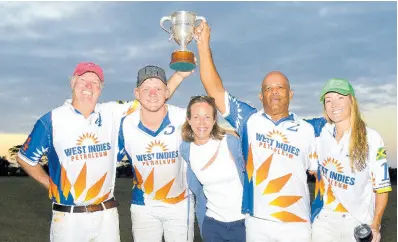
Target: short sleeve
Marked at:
317, 124
120, 108
38, 141
237, 112
313, 156
379, 172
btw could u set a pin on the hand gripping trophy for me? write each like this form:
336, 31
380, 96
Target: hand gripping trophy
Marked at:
182, 31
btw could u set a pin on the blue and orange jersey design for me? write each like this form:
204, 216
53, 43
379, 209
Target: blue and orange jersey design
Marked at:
158, 168
82, 153
340, 186
277, 156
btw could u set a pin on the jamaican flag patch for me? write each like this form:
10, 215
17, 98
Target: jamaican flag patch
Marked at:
381, 153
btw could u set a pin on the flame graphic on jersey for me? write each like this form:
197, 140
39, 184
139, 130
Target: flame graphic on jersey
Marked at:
80, 183
331, 198
319, 186
276, 133
273, 186
333, 162
250, 165
262, 171
79, 187
65, 183
87, 136
285, 201
285, 216
148, 184
155, 144
26, 144
138, 181
277, 184
340, 208
162, 193
313, 156
132, 108
318, 202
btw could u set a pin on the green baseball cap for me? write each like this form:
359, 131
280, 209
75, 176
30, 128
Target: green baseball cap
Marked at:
341, 86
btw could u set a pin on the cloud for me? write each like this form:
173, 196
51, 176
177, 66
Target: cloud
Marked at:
19, 19
372, 97
384, 120
21, 14
310, 42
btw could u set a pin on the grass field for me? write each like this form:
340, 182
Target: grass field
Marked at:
25, 211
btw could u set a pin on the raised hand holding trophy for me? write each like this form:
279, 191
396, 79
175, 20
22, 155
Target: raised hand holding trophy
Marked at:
181, 30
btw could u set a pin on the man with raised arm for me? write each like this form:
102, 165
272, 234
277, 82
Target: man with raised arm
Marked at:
161, 204
278, 149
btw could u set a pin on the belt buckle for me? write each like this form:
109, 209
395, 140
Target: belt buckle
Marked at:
94, 207
90, 209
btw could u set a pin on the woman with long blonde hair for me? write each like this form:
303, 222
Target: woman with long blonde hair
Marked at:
352, 180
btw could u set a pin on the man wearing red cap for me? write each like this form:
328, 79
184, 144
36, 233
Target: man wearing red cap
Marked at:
80, 141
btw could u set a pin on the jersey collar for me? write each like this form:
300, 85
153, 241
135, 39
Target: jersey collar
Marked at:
292, 117
165, 123
68, 103
331, 128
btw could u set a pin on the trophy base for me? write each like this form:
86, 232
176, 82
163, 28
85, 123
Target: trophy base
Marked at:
182, 61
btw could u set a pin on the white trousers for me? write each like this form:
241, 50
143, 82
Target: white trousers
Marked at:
331, 226
151, 222
84, 227
261, 230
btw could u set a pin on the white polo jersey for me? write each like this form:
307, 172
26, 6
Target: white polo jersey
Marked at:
277, 156
344, 190
82, 153
158, 168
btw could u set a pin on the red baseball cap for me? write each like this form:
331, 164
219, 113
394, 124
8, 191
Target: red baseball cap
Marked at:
84, 67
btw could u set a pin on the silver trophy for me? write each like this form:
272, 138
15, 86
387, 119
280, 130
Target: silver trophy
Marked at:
181, 30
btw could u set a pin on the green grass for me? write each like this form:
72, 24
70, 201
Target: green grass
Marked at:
25, 211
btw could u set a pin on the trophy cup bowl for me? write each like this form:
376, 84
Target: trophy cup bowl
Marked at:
181, 30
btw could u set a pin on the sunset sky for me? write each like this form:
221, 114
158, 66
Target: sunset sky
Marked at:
310, 42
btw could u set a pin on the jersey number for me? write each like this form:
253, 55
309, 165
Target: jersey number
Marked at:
386, 176
171, 128
98, 121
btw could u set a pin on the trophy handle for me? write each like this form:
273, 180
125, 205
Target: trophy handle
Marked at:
164, 19
200, 18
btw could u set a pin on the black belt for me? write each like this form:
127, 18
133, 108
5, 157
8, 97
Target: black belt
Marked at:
111, 203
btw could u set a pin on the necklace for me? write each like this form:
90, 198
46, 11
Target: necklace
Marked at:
336, 135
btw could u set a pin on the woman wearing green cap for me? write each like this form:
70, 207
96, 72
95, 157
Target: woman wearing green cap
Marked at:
352, 179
